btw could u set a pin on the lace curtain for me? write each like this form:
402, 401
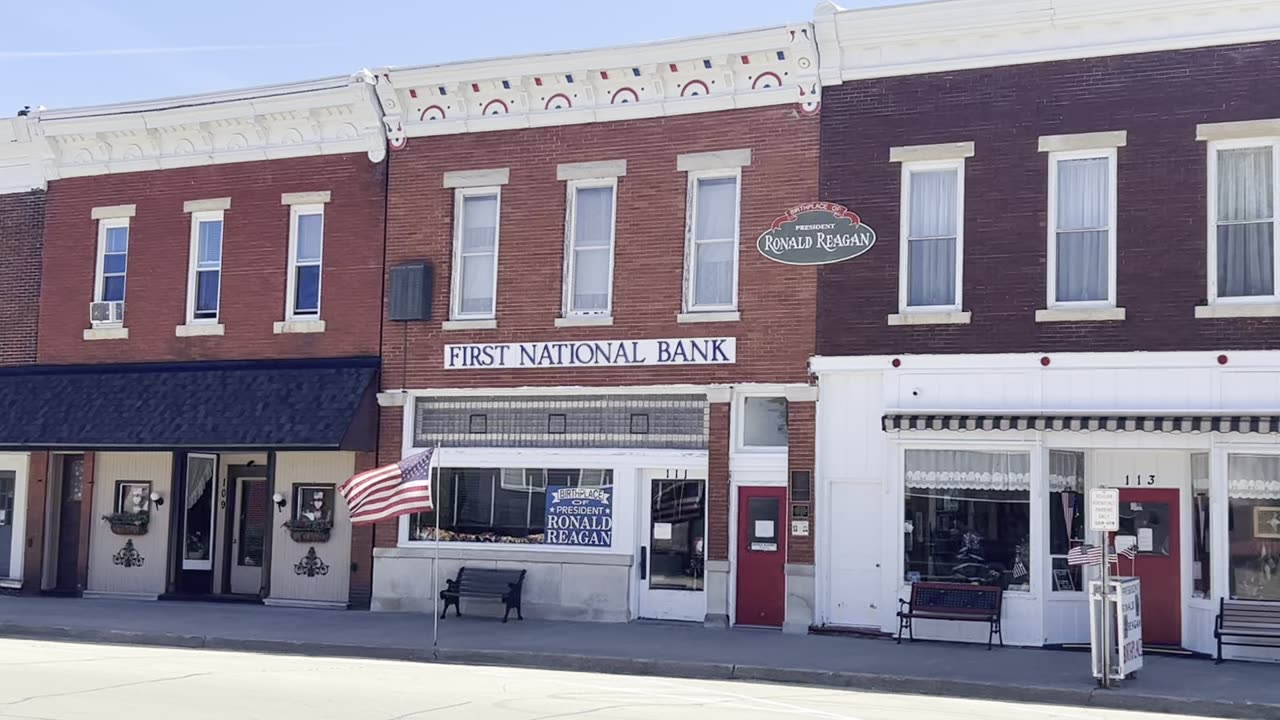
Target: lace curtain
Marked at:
1245, 222
1083, 217
1253, 477
1066, 471
968, 470
931, 238
199, 475
592, 236
715, 240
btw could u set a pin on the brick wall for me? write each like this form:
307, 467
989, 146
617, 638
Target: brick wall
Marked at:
775, 335
21, 238
718, 484
1159, 98
255, 258
801, 418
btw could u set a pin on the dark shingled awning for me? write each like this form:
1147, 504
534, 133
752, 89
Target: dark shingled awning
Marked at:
316, 404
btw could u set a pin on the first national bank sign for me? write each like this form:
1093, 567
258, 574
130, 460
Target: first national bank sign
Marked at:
591, 353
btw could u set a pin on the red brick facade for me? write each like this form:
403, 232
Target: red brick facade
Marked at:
254, 263
1158, 98
21, 238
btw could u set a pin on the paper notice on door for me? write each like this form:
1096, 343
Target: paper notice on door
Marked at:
4, 518
1197, 570
1146, 540
764, 528
662, 531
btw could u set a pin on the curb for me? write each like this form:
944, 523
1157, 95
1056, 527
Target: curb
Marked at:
865, 682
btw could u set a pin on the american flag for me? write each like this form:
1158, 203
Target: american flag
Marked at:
391, 490
1130, 550
1085, 555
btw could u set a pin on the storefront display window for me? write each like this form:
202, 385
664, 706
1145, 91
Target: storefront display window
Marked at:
1254, 526
1201, 540
968, 517
501, 505
1066, 517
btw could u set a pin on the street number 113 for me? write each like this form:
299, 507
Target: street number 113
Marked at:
1139, 479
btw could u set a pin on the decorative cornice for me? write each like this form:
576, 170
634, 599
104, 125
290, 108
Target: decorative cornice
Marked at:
323, 117
19, 159
775, 66
964, 34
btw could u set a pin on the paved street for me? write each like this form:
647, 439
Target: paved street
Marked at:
69, 681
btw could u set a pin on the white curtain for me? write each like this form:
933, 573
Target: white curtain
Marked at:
968, 470
931, 238
1246, 243
479, 245
1066, 471
715, 240
592, 236
1083, 218
1253, 477
1200, 472
199, 475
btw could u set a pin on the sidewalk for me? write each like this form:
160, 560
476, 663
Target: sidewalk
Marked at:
1166, 684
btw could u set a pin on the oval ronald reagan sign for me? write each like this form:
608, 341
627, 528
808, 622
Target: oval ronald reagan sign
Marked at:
816, 233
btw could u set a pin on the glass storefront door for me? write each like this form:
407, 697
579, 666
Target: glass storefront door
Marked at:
672, 550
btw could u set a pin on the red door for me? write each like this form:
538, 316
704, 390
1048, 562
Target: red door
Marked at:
762, 553
1151, 516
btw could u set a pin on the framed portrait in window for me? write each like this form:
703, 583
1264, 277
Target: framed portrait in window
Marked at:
1266, 522
133, 497
313, 504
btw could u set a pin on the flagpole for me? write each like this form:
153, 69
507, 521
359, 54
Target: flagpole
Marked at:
435, 564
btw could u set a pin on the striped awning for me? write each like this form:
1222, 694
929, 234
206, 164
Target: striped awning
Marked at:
1175, 423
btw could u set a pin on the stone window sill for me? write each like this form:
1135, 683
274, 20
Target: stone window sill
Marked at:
200, 329
1238, 310
585, 321
106, 333
1101, 314
450, 325
930, 318
289, 327
708, 317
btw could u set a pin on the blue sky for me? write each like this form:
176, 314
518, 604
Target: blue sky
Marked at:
62, 53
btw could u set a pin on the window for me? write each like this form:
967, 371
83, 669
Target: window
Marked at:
197, 516
764, 422
589, 261
1066, 518
1201, 568
932, 223
306, 245
504, 505
475, 253
1254, 526
113, 257
1243, 246
712, 266
206, 265
968, 517
1082, 227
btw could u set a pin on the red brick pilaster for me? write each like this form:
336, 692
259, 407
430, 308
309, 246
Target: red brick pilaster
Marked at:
33, 556
390, 434
361, 588
801, 414
718, 478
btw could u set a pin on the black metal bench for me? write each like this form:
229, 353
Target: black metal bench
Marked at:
504, 585
951, 601
1255, 624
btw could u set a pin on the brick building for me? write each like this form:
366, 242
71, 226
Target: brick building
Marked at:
1073, 288
601, 321
207, 337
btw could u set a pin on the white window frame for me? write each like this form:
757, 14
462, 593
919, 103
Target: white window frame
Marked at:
573, 186
193, 261
740, 429
1212, 204
904, 229
1051, 295
455, 294
99, 275
291, 283
188, 563
691, 224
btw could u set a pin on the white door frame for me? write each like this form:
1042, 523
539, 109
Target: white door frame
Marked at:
20, 464
668, 604
181, 506
235, 527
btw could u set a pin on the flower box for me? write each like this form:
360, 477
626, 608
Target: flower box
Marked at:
309, 532
128, 523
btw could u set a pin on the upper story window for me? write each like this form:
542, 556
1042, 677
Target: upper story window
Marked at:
1243, 201
932, 225
1082, 244
306, 249
113, 259
712, 265
589, 256
475, 253
205, 284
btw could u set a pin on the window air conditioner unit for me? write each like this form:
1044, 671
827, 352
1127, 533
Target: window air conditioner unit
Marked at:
106, 313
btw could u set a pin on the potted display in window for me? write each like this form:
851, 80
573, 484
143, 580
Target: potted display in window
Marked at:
312, 519
132, 508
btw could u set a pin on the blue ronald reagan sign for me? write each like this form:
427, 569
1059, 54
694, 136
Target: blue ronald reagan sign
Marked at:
591, 353
579, 516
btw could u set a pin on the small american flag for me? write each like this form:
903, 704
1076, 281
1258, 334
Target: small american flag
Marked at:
1085, 555
1129, 550
391, 490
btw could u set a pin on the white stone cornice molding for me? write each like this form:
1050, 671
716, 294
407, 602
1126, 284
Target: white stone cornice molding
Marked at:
775, 66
